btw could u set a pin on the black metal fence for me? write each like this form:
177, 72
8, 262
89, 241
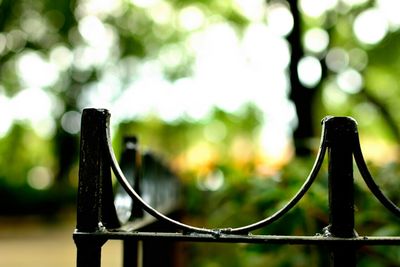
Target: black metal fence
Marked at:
102, 217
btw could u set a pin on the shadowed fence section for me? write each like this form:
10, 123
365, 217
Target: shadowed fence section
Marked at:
143, 211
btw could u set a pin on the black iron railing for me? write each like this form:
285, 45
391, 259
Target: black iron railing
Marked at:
100, 219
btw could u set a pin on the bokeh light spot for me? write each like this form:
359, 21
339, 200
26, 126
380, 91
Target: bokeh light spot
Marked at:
317, 8
62, 57
70, 122
35, 71
191, 18
370, 26
280, 19
316, 40
350, 81
213, 181
333, 98
309, 71
354, 2
40, 178
337, 59
358, 58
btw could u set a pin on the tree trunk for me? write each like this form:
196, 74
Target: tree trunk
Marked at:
301, 96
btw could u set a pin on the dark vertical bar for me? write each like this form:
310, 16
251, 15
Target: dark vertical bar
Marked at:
95, 197
153, 186
89, 252
91, 164
133, 158
131, 164
165, 253
340, 133
131, 253
302, 97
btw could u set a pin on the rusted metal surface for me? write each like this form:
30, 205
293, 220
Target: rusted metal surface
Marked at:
97, 217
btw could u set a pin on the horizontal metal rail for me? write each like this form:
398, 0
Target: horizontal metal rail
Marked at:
250, 239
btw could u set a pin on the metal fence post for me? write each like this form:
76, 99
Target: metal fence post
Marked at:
340, 138
95, 209
89, 252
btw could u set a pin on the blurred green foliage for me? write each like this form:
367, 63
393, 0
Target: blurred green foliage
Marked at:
228, 182
251, 198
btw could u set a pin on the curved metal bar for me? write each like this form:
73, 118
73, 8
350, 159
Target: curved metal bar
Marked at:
132, 193
244, 229
366, 175
307, 184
